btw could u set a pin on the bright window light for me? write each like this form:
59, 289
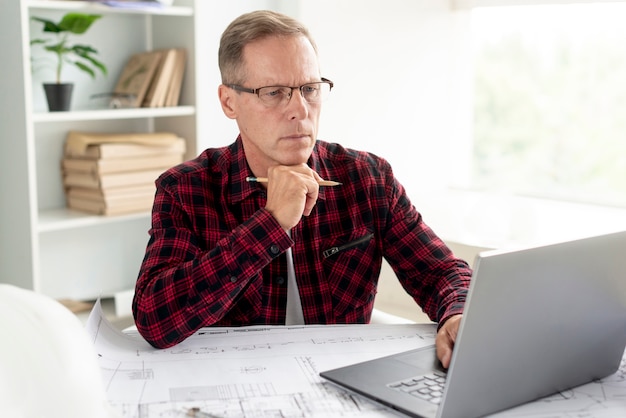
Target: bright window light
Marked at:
550, 101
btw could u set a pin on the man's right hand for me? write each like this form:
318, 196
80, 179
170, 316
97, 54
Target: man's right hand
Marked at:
291, 193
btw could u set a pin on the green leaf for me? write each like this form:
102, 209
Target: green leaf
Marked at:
99, 65
77, 23
83, 50
85, 69
48, 25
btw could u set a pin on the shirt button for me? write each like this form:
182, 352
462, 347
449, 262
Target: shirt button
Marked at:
274, 249
280, 280
233, 279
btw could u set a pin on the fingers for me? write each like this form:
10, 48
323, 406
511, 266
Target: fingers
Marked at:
311, 199
316, 176
446, 337
292, 192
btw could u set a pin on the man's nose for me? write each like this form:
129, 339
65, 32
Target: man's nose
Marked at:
297, 106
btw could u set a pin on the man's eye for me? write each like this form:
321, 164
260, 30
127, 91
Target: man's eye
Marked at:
309, 89
273, 93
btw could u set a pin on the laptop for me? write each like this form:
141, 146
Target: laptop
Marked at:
537, 321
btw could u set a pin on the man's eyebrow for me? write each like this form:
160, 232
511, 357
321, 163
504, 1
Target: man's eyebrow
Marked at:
278, 84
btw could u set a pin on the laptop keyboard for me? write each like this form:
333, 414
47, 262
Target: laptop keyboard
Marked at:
428, 387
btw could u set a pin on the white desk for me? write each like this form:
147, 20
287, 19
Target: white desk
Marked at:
273, 371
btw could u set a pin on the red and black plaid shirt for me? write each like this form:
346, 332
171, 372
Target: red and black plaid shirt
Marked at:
216, 257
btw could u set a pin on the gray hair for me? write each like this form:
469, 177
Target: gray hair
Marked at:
248, 28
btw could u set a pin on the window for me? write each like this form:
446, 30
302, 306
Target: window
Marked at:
550, 101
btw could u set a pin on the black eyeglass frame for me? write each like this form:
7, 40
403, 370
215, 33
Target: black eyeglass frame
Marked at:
256, 91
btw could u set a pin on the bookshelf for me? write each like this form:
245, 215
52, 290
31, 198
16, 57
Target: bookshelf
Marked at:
43, 245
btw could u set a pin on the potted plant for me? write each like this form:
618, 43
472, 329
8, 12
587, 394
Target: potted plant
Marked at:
81, 56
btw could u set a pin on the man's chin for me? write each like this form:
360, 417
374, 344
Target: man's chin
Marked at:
296, 156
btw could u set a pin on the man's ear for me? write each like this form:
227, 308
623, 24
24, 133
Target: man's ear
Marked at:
228, 101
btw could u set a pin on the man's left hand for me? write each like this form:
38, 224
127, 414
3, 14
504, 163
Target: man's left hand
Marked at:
446, 336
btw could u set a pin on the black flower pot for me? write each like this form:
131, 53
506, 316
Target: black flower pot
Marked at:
59, 96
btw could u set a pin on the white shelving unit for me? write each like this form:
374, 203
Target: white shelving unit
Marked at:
43, 245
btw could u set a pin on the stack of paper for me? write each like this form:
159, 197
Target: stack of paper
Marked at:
110, 174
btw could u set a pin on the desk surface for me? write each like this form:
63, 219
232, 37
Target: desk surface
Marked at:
274, 371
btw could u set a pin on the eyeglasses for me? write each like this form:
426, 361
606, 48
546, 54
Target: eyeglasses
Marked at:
273, 96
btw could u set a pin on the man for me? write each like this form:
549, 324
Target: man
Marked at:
227, 251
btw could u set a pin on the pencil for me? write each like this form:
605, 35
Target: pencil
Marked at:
321, 183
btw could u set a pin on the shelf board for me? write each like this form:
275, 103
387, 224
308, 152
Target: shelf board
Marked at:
87, 6
105, 114
52, 220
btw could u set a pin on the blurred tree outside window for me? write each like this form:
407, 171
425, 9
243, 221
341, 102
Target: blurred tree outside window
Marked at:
550, 101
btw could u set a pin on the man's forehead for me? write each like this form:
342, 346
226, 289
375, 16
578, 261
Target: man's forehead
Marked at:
280, 60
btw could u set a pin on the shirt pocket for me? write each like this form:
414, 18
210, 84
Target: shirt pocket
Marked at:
351, 268
329, 252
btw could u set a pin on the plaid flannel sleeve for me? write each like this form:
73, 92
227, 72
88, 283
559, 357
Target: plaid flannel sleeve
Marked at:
181, 286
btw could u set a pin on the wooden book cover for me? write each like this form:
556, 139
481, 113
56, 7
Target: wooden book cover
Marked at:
120, 165
105, 181
137, 75
155, 97
114, 194
173, 92
142, 204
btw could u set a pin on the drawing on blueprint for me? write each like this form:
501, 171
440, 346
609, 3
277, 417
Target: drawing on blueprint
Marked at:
274, 372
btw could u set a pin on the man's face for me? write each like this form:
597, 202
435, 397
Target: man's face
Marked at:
282, 135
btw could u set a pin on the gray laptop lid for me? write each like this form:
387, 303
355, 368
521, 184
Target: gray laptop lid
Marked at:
537, 321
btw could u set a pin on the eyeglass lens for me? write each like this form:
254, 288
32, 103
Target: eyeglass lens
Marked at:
312, 93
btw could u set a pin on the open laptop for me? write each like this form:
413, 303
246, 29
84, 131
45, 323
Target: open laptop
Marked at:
537, 321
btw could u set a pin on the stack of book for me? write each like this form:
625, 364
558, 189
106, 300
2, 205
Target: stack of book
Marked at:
112, 174
153, 78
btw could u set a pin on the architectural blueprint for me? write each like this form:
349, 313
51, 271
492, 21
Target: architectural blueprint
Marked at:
274, 372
